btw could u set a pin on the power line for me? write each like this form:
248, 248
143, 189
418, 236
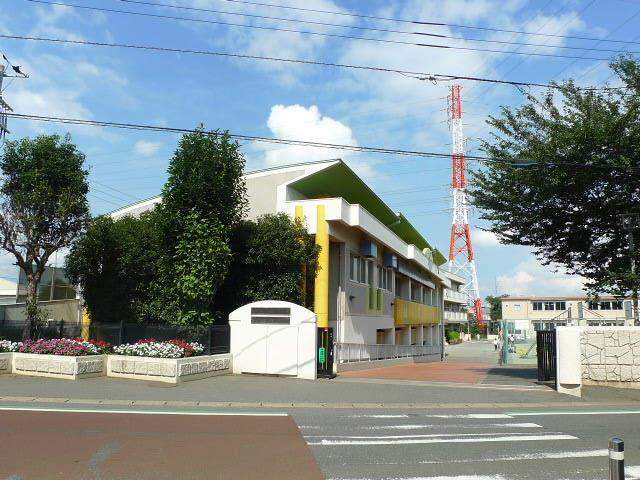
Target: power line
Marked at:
434, 77
334, 35
391, 19
522, 163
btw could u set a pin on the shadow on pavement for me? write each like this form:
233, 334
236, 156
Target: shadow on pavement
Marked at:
520, 375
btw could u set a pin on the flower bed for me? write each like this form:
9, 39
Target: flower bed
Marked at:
176, 348
69, 347
168, 370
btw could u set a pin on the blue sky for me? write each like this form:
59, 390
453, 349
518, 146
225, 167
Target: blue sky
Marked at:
302, 102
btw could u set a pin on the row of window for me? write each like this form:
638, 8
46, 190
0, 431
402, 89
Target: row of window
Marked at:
599, 305
549, 305
606, 305
362, 270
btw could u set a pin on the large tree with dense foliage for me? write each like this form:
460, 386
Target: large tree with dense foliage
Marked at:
43, 207
203, 200
275, 258
567, 165
116, 264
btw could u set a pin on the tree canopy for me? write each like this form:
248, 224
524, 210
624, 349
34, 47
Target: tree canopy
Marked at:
43, 206
566, 165
193, 259
116, 263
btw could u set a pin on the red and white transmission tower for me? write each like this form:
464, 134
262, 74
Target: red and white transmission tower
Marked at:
461, 259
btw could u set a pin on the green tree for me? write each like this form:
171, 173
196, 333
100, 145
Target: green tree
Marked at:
206, 186
568, 166
205, 177
273, 258
43, 207
495, 305
116, 265
200, 264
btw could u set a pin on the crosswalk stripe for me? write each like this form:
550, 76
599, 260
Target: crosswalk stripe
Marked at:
457, 439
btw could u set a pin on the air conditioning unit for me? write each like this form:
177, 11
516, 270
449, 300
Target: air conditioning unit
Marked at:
391, 261
368, 249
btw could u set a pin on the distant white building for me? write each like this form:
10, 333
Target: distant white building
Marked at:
542, 313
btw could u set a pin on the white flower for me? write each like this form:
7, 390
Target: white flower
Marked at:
9, 346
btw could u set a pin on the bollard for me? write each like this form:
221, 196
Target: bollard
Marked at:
616, 459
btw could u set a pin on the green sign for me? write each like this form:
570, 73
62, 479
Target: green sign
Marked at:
322, 354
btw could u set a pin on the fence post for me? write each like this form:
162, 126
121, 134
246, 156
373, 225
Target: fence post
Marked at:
61, 329
616, 459
121, 332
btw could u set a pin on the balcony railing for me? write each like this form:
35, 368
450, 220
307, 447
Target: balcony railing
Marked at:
455, 316
455, 296
406, 312
357, 352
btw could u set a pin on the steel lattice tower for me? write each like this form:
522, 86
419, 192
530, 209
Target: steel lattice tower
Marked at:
461, 260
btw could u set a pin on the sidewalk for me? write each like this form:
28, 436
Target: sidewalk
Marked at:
243, 391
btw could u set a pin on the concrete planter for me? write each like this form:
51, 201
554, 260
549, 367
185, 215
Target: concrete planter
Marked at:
59, 366
6, 362
168, 370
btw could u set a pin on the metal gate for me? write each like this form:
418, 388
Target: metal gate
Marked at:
546, 349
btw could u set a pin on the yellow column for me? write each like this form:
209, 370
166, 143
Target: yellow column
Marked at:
303, 287
321, 291
86, 323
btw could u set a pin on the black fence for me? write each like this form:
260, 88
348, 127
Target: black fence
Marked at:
215, 338
12, 329
546, 350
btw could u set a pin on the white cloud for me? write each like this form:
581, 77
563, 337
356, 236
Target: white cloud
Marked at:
484, 238
146, 149
296, 122
532, 278
271, 43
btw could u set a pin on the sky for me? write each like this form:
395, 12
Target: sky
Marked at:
303, 102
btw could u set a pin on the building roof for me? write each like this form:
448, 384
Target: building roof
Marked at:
338, 180
552, 298
328, 179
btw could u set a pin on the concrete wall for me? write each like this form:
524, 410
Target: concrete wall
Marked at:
610, 355
262, 192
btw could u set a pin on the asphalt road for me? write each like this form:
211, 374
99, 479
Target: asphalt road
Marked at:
467, 444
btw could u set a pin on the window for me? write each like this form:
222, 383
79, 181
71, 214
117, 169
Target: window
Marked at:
353, 268
389, 275
369, 276
616, 305
549, 305
561, 305
593, 305
537, 305
605, 305
516, 307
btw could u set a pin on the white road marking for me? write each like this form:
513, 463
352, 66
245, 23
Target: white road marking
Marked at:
145, 412
430, 435
512, 458
632, 473
465, 415
574, 412
462, 477
506, 438
426, 426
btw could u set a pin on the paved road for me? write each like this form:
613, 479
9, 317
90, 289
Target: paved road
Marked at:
504, 427
81, 445
466, 444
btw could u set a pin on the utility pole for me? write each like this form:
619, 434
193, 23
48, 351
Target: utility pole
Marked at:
4, 106
631, 221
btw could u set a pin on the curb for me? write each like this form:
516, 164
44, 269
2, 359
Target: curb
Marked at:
301, 405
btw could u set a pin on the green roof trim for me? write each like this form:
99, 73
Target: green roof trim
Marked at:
339, 180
